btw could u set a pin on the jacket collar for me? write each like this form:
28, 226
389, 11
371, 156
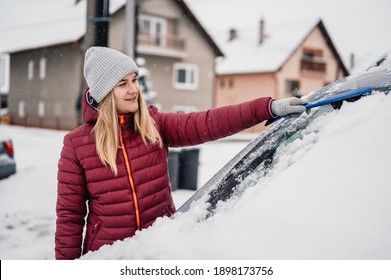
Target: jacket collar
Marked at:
90, 113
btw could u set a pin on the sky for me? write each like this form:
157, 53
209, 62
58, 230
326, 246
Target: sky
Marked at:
327, 197
359, 27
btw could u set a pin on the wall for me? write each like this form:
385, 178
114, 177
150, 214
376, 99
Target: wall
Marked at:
309, 80
233, 89
57, 92
197, 51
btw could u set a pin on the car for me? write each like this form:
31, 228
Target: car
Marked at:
257, 159
314, 187
7, 160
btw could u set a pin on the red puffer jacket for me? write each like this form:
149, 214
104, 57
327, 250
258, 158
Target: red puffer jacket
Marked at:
120, 205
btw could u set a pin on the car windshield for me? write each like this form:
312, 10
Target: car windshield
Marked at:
261, 157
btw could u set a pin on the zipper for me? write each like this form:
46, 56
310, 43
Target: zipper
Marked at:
95, 228
131, 182
94, 233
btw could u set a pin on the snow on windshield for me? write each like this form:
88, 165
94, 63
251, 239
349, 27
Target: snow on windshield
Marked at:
330, 201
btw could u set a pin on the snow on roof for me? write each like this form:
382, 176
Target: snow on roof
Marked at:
246, 55
33, 24
357, 28
28, 25
115, 5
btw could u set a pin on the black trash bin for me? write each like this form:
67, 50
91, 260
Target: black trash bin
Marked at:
174, 167
188, 176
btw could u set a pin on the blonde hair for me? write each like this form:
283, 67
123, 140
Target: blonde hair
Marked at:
107, 129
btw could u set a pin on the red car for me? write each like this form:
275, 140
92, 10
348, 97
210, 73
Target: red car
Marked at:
7, 160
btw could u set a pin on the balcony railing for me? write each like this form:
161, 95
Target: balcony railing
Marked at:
168, 42
316, 64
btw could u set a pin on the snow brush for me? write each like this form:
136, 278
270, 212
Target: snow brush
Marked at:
351, 95
335, 101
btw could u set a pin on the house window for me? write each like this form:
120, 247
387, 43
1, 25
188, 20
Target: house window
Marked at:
222, 82
41, 109
292, 88
185, 76
312, 60
3, 102
231, 82
22, 109
152, 30
184, 109
30, 70
4, 73
42, 69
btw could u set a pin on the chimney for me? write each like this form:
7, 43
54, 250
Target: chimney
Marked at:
261, 31
233, 34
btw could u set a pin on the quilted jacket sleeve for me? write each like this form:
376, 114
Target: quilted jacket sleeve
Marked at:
71, 204
200, 127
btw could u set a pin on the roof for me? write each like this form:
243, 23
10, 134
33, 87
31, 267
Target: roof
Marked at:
246, 55
58, 22
28, 25
329, 42
198, 25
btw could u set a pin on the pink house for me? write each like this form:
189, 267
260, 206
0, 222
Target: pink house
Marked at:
291, 59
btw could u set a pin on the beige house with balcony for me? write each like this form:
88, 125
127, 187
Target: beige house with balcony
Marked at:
45, 69
291, 59
178, 52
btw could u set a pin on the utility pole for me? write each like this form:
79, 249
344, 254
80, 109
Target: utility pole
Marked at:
130, 28
98, 19
102, 18
97, 34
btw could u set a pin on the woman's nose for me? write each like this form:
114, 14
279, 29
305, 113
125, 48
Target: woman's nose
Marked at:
132, 87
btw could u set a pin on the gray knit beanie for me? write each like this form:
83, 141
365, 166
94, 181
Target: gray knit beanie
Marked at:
104, 68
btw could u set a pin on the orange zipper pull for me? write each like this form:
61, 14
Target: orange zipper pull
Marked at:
121, 120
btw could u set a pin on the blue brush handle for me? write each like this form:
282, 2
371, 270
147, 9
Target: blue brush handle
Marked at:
329, 100
339, 97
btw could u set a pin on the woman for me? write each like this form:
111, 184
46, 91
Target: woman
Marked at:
113, 169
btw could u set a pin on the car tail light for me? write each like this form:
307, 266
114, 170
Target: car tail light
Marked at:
9, 147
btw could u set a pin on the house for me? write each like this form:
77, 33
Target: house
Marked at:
45, 54
178, 52
44, 65
288, 59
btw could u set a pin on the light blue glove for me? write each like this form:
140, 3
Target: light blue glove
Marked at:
288, 106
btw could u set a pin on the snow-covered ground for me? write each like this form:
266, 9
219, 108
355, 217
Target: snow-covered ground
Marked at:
328, 198
27, 199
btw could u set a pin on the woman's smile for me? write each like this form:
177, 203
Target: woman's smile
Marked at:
126, 94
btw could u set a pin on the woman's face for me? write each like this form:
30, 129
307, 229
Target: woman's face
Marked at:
126, 94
